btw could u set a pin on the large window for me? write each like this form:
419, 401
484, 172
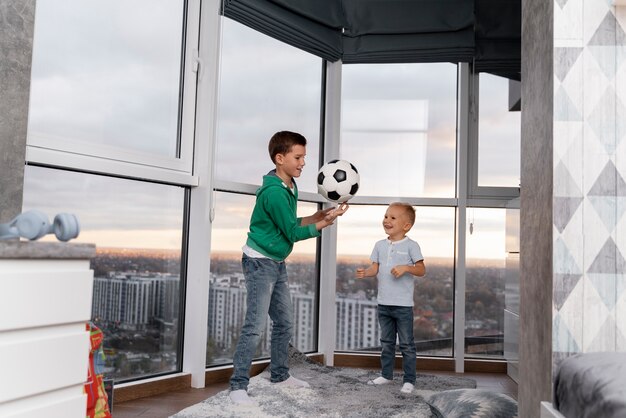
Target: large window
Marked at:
258, 97
265, 86
357, 320
107, 128
227, 290
499, 133
398, 127
106, 82
485, 283
114, 94
137, 228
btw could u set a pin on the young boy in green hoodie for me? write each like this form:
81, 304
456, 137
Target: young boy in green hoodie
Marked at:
274, 227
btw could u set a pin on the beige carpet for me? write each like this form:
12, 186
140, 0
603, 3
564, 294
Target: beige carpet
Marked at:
334, 392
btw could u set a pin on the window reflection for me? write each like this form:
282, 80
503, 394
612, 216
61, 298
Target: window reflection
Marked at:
357, 320
265, 86
137, 229
227, 291
399, 128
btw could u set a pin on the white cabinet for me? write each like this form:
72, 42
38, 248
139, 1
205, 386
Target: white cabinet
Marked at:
45, 304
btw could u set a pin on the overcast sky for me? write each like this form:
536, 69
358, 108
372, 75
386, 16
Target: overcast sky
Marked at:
103, 78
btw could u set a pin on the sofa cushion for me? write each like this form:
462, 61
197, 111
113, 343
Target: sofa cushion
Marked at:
472, 403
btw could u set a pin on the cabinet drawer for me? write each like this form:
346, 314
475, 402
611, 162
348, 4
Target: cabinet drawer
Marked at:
34, 299
41, 360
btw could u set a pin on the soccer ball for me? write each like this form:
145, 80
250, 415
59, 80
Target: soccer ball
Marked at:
338, 181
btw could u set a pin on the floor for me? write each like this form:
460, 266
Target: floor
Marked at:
163, 406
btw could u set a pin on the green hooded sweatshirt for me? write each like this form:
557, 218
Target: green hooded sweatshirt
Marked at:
274, 226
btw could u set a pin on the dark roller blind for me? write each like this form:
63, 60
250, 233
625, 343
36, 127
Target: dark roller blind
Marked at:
498, 37
386, 31
487, 32
289, 25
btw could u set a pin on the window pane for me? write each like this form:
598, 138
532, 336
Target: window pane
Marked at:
107, 74
485, 280
499, 134
399, 128
265, 86
137, 229
227, 291
357, 320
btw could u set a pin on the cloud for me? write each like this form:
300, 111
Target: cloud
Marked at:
265, 87
102, 202
115, 84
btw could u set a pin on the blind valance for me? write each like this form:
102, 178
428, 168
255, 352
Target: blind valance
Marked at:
486, 32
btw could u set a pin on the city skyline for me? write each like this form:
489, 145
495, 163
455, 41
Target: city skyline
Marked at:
137, 294
174, 254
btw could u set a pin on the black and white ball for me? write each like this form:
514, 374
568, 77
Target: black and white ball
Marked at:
338, 181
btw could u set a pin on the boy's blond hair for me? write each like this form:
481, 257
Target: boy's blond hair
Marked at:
409, 211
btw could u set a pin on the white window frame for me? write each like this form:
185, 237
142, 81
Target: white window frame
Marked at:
201, 208
103, 159
481, 195
327, 312
463, 128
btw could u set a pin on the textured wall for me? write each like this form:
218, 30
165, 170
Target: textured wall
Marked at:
17, 19
536, 207
589, 173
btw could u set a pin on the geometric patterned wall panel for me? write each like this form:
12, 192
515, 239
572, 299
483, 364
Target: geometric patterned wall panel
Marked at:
589, 177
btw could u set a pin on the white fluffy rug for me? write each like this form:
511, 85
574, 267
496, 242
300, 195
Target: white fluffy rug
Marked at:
334, 392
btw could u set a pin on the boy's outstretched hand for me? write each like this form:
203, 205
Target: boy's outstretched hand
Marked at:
332, 213
326, 217
321, 214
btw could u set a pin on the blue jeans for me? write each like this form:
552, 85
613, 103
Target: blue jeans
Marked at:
268, 292
397, 320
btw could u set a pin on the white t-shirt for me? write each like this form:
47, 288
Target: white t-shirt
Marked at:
251, 252
388, 254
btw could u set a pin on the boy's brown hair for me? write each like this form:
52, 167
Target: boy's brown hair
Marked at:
281, 143
409, 210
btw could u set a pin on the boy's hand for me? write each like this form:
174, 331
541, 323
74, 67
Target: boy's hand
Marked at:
338, 211
360, 273
321, 214
329, 215
398, 271
341, 209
